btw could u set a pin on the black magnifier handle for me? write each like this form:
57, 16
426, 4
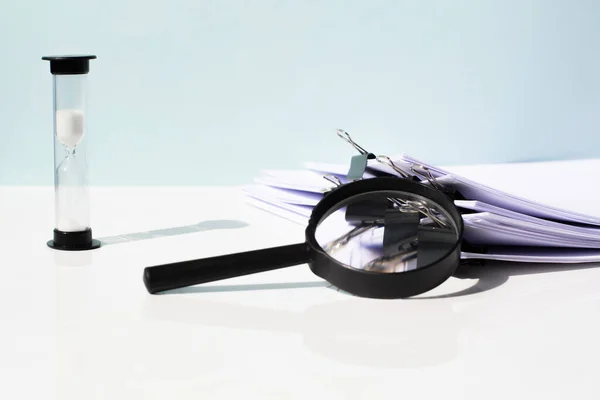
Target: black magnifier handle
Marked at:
194, 272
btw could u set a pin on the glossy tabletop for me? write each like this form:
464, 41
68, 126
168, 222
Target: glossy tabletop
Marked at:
82, 326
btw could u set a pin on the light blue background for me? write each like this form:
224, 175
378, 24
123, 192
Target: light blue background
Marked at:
210, 92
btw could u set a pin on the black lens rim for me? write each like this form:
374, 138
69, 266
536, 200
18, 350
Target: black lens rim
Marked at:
377, 285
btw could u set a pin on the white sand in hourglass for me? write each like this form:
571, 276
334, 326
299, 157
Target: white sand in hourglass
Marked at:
69, 127
72, 214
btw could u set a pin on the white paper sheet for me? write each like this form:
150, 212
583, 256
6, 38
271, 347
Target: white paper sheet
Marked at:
537, 226
485, 233
277, 194
311, 182
302, 210
477, 191
537, 255
480, 206
502, 220
339, 170
278, 211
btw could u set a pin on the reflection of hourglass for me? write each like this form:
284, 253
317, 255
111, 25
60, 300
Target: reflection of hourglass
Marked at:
72, 228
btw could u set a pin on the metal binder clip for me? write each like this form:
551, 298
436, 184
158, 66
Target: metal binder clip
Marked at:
423, 171
375, 211
427, 211
426, 173
419, 207
388, 161
433, 243
370, 211
333, 179
346, 137
400, 231
358, 164
345, 238
361, 211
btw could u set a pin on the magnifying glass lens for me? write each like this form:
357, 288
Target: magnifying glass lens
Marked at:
387, 232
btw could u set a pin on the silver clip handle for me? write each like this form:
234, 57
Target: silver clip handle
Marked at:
388, 161
333, 179
426, 173
346, 137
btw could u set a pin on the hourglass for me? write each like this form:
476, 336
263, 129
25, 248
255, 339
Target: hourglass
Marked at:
72, 227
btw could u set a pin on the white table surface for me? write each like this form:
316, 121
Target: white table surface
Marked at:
82, 326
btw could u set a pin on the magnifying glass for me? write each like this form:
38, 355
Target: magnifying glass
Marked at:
381, 237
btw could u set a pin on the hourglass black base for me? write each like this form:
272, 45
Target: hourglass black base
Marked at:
73, 241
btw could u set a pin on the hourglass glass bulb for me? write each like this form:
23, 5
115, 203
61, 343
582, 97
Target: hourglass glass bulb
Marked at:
69, 127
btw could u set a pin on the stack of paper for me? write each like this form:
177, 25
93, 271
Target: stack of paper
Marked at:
508, 227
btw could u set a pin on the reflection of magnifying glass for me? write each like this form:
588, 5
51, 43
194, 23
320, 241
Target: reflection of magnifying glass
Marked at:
382, 333
387, 335
406, 244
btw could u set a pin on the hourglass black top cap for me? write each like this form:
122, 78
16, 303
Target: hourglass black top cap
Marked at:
69, 65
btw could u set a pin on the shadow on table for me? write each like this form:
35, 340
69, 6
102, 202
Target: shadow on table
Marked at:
357, 331
494, 274
175, 231
489, 276
84, 258
365, 332
249, 287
